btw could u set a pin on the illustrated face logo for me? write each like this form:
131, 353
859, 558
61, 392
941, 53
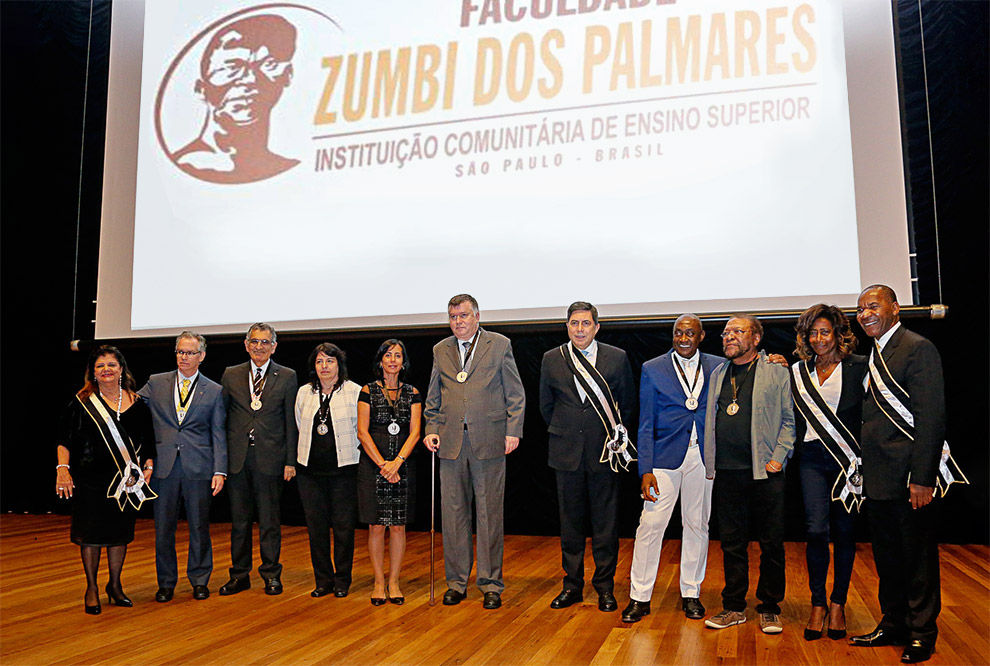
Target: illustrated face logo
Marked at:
243, 71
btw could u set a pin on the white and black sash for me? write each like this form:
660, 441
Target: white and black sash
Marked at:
890, 397
619, 450
128, 484
834, 436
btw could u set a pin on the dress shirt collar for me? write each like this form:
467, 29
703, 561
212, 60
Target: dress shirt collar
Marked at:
191, 378
885, 338
264, 368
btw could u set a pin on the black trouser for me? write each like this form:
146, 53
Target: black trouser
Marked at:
739, 499
906, 555
584, 495
250, 489
330, 502
826, 518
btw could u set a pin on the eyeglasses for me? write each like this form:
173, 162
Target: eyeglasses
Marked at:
738, 332
186, 354
255, 342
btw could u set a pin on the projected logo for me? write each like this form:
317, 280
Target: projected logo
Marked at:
217, 107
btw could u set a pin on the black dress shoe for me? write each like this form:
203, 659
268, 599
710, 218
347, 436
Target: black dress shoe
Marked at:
567, 598
321, 591
235, 585
339, 593
398, 601
273, 586
200, 592
917, 651
879, 637
92, 610
453, 597
607, 602
492, 601
118, 598
693, 610
164, 594
635, 611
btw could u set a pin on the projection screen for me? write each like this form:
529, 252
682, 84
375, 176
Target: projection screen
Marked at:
332, 164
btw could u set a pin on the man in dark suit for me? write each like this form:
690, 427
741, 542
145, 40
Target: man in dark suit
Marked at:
672, 398
261, 440
587, 486
474, 418
188, 412
900, 469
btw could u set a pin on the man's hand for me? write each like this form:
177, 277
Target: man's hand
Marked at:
777, 359
773, 467
432, 442
217, 483
921, 495
648, 486
511, 444
290, 472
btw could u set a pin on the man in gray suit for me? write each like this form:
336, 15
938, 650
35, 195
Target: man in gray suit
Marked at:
261, 437
189, 415
749, 435
474, 418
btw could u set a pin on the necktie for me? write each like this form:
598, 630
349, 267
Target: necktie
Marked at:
180, 411
257, 381
467, 346
586, 352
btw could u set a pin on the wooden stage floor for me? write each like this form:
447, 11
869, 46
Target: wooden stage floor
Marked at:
42, 621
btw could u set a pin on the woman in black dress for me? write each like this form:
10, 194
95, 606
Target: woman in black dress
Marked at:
389, 415
105, 459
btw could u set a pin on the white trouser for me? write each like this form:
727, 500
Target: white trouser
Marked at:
695, 492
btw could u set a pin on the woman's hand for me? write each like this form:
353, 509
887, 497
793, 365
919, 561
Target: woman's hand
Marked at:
390, 470
63, 483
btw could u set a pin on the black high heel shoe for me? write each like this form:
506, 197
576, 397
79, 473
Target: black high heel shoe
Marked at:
398, 601
815, 634
380, 601
92, 610
121, 600
836, 634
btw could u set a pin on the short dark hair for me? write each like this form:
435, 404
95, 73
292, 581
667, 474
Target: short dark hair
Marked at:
581, 306
884, 289
268, 29
332, 351
463, 298
380, 354
262, 326
753, 322
845, 338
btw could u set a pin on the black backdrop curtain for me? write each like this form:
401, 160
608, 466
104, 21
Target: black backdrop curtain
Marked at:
47, 50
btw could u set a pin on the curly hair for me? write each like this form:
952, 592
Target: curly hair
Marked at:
845, 339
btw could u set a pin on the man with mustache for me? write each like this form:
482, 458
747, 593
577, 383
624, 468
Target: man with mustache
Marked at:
901, 459
243, 72
749, 435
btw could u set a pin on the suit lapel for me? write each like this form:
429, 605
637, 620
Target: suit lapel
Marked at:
167, 397
481, 350
455, 354
890, 349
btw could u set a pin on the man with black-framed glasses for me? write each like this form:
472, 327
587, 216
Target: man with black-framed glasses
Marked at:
261, 440
189, 416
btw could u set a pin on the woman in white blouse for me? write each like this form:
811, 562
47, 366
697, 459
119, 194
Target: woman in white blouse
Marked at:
328, 453
828, 396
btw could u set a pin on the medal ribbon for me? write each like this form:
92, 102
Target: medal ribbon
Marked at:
884, 390
258, 385
834, 435
127, 467
470, 351
183, 406
732, 378
694, 390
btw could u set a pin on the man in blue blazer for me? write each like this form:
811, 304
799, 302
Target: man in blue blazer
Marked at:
673, 395
189, 417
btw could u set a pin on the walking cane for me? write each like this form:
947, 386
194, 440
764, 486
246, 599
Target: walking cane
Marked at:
433, 514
